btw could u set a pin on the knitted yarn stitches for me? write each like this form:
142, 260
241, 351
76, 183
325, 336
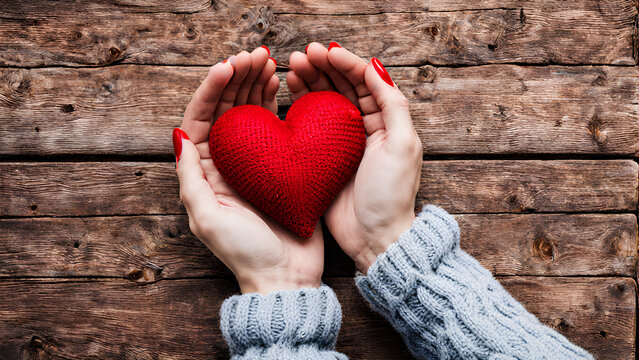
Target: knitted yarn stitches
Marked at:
298, 324
291, 170
447, 306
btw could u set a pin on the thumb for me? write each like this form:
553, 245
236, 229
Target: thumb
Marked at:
391, 101
195, 191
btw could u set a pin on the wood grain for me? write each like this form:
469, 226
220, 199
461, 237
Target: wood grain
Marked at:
459, 186
149, 248
538, 32
109, 318
514, 109
506, 109
467, 186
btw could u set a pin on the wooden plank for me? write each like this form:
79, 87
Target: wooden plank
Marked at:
513, 109
589, 31
469, 186
459, 186
506, 109
109, 318
149, 248
308, 7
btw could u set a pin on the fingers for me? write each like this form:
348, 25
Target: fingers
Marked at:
241, 65
352, 68
393, 104
317, 55
198, 115
315, 79
296, 85
269, 100
255, 95
259, 58
195, 191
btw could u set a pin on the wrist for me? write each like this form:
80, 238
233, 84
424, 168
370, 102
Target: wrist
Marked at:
268, 282
378, 242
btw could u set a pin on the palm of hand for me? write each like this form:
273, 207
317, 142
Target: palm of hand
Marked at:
253, 246
378, 203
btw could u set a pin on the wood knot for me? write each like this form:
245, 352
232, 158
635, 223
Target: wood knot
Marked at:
113, 55
561, 324
68, 108
543, 248
190, 33
36, 342
427, 73
432, 31
77, 35
594, 129
618, 289
519, 199
149, 274
425, 93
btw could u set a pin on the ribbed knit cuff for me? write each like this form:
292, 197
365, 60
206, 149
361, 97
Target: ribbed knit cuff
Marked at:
283, 324
434, 233
447, 306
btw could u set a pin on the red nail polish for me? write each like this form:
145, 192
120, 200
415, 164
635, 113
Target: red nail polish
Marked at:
274, 62
224, 61
306, 48
333, 44
382, 71
178, 136
267, 49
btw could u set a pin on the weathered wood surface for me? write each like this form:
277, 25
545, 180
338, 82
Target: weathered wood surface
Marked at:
178, 319
506, 109
584, 32
149, 248
460, 186
467, 186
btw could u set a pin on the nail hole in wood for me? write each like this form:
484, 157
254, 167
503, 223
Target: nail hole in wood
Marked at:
34, 207
76, 244
37, 129
139, 173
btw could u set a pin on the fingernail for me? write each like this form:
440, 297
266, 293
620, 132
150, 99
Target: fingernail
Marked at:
382, 71
275, 62
178, 136
232, 60
267, 49
306, 48
333, 44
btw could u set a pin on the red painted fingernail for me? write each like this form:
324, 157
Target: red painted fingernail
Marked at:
225, 60
275, 62
306, 48
267, 49
382, 71
333, 44
178, 136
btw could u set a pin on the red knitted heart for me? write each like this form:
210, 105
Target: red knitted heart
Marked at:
290, 169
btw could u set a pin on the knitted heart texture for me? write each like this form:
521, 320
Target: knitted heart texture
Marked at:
291, 169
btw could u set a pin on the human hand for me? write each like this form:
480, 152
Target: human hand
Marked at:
263, 255
377, 205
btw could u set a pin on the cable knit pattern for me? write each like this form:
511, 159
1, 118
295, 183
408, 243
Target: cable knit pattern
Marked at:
447, 306
296, 324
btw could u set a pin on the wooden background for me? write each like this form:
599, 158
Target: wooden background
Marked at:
528, 111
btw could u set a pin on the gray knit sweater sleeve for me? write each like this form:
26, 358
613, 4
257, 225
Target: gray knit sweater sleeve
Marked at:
447, 306
294, 324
